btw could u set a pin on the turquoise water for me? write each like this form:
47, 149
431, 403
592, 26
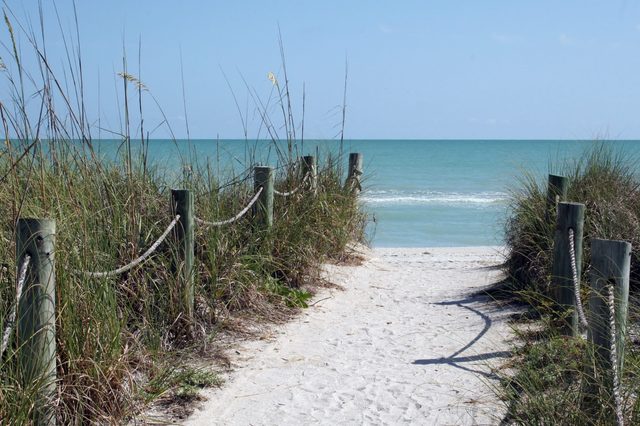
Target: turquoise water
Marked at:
451, 193
419, 192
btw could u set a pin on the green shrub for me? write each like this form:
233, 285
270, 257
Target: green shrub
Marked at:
606, 182
112, 333
555, 378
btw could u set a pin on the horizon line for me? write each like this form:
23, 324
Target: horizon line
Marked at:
379, 139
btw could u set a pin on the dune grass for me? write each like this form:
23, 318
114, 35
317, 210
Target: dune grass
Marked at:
123, 341
553, 372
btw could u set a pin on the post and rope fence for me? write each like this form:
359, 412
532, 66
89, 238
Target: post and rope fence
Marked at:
576, 277
609, 305
309, 178
36, 327
13, 311
606, 318
355, 172
292, 191
570, 217
33, 312
557, 189
229, 221
182, 206
263, 209
310, 172
137, 261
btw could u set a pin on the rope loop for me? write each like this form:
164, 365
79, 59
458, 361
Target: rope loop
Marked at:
137, 261
202, 222
22, 275
576, 283
613, 355
293, 191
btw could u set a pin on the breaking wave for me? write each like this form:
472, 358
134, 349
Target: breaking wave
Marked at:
391, 197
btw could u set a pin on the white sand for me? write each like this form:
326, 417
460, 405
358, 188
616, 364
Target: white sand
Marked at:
406, 342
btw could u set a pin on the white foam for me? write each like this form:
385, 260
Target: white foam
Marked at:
390, 197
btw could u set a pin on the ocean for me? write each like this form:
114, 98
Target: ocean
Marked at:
419, 193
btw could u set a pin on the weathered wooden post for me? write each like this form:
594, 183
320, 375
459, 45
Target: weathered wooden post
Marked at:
263, 208
36, 329
610, 268
355, 172
182, 203
570, 216
556, 192
310, 172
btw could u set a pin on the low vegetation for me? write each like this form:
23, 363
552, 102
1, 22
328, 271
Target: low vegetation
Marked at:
554, 376
123, 341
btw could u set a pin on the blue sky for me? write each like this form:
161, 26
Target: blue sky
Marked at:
416, 69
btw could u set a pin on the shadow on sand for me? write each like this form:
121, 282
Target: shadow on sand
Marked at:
454, 360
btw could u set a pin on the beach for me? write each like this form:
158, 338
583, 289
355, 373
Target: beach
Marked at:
407, 338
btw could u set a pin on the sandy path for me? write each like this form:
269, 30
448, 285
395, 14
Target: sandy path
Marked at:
404, 343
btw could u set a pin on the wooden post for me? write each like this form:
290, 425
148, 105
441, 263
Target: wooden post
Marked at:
310, 172
36, 328
570, 216
556, 192
263, 208
610, 265
182, 204
355, 171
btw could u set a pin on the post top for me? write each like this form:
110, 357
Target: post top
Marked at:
180, 191
33, 222
602, 241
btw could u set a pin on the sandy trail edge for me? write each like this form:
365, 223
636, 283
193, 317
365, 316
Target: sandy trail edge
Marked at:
405, 342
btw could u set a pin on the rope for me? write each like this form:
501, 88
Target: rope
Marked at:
137, 261
236, 217
354, 181
613, 357
293, 191
576, 283
12, 316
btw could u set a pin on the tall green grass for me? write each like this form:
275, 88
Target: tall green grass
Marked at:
118, 337
605, 181
552, 372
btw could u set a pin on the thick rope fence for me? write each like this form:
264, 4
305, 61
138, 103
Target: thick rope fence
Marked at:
141, 259
137, 261
613, 350
576, 281
613, 355
293, 191
37, 236
609, 275
242, 212
22, 275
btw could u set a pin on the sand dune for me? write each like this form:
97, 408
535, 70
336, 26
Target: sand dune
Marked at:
406, 342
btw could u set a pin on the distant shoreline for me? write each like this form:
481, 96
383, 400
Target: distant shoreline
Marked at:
378, 140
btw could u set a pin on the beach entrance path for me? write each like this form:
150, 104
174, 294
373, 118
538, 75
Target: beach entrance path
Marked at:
406, 342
